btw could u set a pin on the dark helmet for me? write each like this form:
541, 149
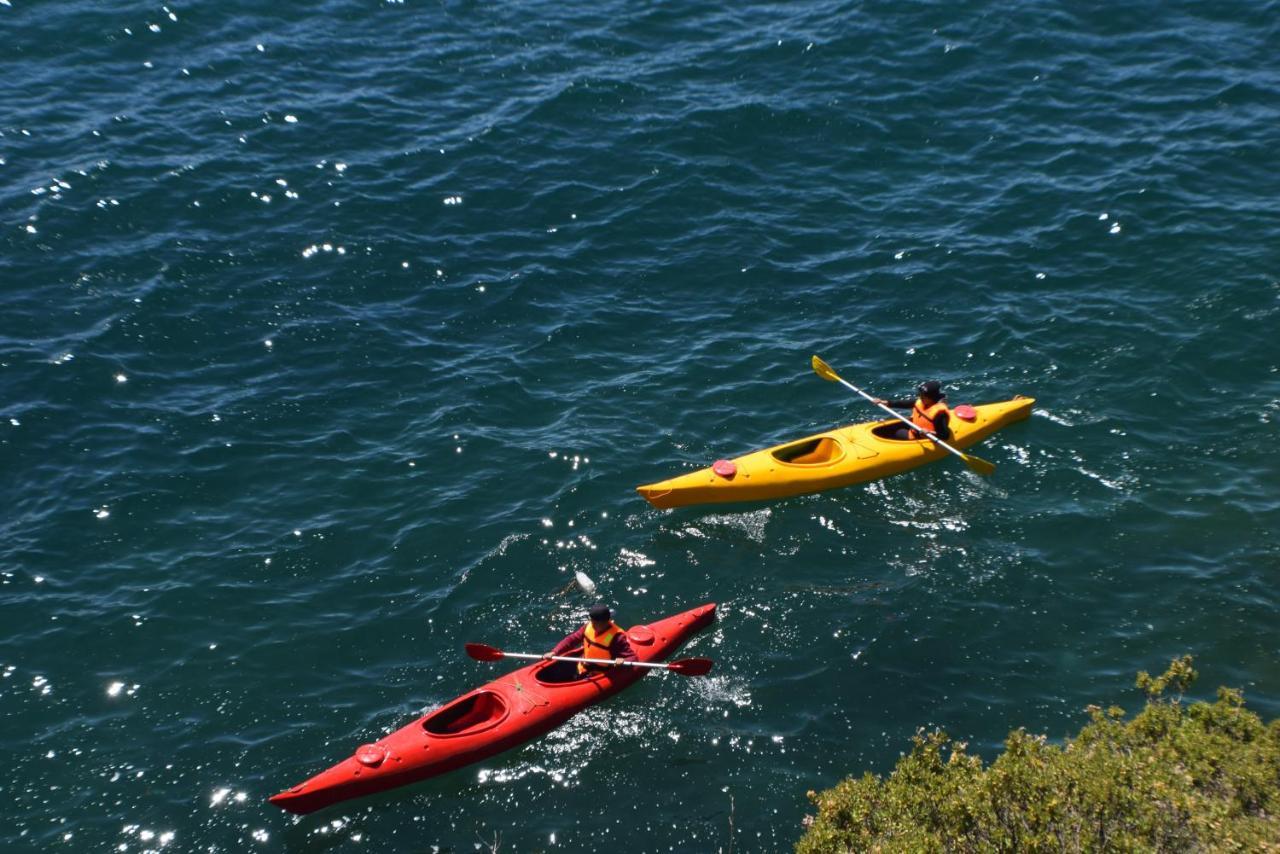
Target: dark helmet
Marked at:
931, 389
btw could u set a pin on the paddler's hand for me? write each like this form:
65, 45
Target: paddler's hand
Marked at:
880, 401
546, 656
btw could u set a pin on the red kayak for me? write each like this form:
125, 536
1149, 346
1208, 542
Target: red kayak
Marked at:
507, 712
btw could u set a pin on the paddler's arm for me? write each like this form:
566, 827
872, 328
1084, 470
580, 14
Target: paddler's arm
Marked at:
621, 648
896, 404
572, 644
942, 426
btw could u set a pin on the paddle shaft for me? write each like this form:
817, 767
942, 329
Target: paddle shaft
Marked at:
900, 417
620, 662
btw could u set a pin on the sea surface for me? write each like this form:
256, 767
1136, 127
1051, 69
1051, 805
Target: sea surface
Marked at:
335, 335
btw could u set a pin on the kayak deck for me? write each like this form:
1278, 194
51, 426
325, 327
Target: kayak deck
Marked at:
841, 457
505, 713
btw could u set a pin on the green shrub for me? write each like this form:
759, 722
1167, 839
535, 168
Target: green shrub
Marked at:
1203, 777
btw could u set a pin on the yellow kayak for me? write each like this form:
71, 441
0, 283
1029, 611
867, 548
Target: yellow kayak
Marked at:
840, 457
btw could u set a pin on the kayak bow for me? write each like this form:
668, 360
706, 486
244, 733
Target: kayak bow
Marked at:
841, 457
503, 714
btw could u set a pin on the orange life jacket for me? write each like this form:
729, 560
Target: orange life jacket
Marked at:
597, 645
923, 417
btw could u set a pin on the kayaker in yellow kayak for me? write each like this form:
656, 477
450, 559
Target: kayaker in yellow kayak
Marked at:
600, 638
928, 412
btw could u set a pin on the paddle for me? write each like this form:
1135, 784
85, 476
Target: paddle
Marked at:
685, 666
975, 464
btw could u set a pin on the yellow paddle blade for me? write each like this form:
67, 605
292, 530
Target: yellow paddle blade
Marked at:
978, 465
823, 370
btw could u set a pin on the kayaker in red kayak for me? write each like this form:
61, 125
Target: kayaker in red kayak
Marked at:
928, 413
600, 638
513, 709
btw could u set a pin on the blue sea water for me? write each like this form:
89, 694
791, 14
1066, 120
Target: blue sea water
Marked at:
335, 335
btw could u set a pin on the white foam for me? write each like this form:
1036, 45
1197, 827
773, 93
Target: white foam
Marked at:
636, 560
1105, 481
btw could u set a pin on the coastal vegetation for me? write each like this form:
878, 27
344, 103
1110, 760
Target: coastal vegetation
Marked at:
1203, 776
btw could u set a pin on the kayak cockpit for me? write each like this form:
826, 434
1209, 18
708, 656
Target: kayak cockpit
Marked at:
557, 673
888, 432
473, 713
820, 451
